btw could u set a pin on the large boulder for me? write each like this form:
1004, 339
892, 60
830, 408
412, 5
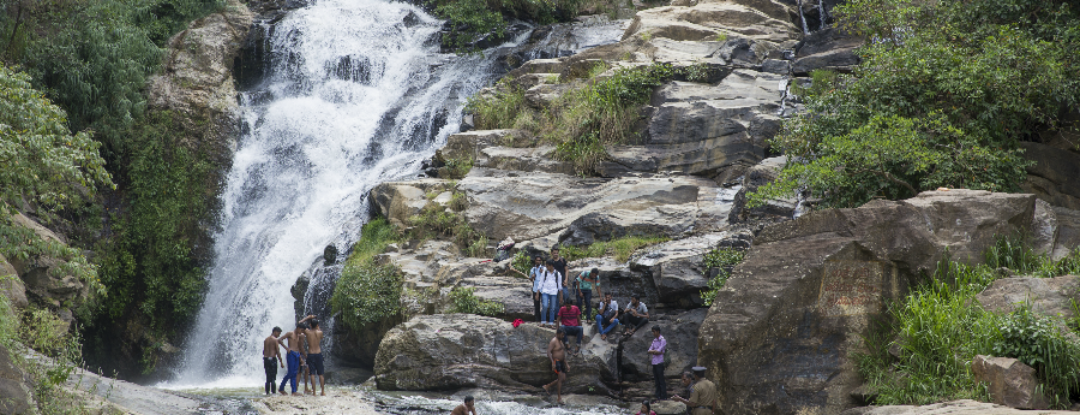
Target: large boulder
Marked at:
752, 19
197, 81
42, 276
11, 286
831, 48
536, 204
397, 201
778, 336
716, 131
1012, 383
15, 397
677, 267
681, 332
455, 351
1051, 297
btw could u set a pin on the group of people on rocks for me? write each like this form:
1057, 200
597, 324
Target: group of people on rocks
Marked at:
303, 356
558, 301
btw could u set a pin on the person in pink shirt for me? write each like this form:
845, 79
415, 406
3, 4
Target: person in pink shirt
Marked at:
570, 319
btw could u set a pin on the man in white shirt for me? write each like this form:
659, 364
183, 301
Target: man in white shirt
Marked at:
550, 293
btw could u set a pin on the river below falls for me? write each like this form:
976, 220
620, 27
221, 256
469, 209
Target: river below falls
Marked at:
361, 400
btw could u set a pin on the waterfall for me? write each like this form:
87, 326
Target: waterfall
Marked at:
355, 93
805, 27
821, 12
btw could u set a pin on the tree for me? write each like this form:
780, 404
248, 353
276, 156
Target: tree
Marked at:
43, 164
944, 94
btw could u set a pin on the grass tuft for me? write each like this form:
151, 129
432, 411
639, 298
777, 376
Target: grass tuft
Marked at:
620, 248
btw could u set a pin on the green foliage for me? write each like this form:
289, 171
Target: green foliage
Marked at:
581, 121
940, 327
620, 248
44, 164
436, 221
456, 168
369, 293
1034, 340
942, 98
724, 259
44, 331
472, 20
523, 263
464, 300
9, 322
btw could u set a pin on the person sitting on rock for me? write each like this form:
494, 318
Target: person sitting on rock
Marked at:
635, 315
703, 397
570, 318
465, 408
608, 309
557, 353
587, 280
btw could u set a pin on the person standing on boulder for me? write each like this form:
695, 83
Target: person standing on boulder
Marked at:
560, 266
608, 310
703, 397
635, 315
586, 281
557, 353
271, 360
657, 350
550, 293
465, 408
570, 318
534, 272
314, 336
292, 357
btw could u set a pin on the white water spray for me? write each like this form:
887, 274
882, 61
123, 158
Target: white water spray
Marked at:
356, 94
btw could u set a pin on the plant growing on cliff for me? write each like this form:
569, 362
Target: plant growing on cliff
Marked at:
367, 293
620, 248
944, 93
472, 20
724, 261
464, 300
47, 166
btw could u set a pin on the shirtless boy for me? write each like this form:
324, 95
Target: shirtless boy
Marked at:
292, 357
314, 336
272, 355
557, 353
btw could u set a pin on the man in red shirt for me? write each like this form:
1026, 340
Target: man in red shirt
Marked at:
570, 319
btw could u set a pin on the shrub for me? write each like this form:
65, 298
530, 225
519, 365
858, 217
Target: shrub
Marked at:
942, 98
620, 248
581, 121
436, 221
521, 262
47, 166
940, 327
9, 322
725, 260
464, 300
367, 293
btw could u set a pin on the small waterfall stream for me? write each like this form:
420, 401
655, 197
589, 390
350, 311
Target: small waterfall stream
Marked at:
355, 94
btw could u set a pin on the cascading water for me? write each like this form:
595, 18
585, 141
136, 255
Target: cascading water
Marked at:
356, 94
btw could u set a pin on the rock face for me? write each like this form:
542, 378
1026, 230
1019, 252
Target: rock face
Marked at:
680, 331
11, 286
1053, 175
198, 82
827, 49
778, 336
1051, 297
533, 205
962, 407
15, 398
1012, 383
41, 280
452, 351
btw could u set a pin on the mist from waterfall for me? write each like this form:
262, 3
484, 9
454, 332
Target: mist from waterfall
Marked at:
356, 94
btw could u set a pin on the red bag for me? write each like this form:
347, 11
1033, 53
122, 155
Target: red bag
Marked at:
517, 323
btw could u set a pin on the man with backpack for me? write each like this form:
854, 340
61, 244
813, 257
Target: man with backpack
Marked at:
550, 294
